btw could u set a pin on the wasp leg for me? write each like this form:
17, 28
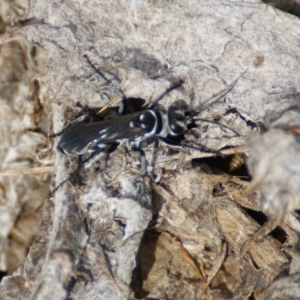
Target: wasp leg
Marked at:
142, 159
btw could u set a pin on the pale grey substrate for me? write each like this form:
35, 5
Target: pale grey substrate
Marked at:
91, 233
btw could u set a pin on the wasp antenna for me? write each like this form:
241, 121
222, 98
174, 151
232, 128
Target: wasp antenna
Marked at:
220, 95
174, 86
205, 152
216, 123
51, 136
116, 89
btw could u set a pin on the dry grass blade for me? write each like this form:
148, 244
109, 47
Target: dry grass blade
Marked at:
17, 172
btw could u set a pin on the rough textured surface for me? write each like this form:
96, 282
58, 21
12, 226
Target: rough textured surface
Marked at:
108, 232
23, 132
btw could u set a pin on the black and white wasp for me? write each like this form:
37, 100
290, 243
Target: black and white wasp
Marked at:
91, 134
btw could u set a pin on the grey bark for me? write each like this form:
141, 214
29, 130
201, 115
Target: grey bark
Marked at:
98, 239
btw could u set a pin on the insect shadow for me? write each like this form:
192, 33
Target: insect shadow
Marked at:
134, 123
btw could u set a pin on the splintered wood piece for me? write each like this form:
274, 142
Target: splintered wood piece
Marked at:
237, 227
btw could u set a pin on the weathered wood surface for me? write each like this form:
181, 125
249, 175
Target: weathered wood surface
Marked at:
109, 233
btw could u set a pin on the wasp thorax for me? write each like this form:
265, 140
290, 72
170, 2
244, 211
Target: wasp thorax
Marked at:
177, 121
145, 121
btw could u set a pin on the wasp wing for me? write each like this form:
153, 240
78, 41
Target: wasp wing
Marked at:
83, 137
